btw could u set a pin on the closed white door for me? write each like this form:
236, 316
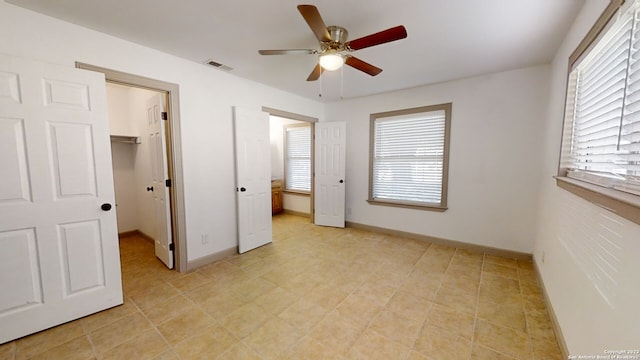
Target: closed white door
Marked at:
253, 178
330, 145
58, 233
159, 175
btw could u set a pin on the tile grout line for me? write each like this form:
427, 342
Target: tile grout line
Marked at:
424, 322
155, 328
475, 315
90, 339
325, 316
391, 297
524, 310
502, 326
435, 294
367, 326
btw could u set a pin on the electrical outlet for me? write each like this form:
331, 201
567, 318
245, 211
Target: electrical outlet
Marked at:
205, 239
542, 257
348, 211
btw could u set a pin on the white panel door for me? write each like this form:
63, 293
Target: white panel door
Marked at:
159, 174
58, 233
253, 178
330, 145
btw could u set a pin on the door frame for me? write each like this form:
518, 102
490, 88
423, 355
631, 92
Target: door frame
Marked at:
174, 148
312, 121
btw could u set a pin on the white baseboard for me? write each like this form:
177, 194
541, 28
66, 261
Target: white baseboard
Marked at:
552, 314
435, 240
208, 259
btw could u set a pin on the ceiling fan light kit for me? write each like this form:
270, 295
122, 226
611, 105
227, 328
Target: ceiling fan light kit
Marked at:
334, 48
331, 61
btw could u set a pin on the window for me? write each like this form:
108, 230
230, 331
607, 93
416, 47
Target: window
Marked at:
297, 153
601, 140
409, 157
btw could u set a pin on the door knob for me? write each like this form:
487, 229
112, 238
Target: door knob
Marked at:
243, 189
341, 181
149, 188
105, 206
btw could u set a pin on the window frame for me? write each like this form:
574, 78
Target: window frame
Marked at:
621, 203
286, 157
440, 207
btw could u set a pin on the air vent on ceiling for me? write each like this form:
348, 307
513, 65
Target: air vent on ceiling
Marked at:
217, 65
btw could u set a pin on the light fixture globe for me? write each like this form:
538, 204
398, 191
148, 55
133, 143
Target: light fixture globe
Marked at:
331, 61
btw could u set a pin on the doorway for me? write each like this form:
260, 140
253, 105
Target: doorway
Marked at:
138, 152
292, 173
176, 219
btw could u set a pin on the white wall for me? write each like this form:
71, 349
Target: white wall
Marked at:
297, 203
206, 99
495, 137
118, 110
123, 180
276, 137
122, 155
596, 312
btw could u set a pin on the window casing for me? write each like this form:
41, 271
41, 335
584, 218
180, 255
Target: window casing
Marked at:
601, 138
297, 157
409, 157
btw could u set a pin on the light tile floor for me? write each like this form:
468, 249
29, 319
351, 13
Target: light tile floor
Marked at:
315, 293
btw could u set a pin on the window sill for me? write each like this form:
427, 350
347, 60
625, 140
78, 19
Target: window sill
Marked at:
408, 205
297, 192
622, 204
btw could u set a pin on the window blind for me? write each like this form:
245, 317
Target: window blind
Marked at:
604, 102
298, 158
408, 157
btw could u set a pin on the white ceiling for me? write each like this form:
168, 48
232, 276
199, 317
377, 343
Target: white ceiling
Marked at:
447, 39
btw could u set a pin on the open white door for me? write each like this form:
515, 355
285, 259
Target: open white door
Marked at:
58, 233
160, 174
330, 145
253, 178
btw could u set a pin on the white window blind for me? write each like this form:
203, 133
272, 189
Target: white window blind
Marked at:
408, 157
298, 158
603, 108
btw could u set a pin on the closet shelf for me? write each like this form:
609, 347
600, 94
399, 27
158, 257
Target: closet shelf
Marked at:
126, 139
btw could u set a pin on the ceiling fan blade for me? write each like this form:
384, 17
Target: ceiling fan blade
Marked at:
384, 36
356, 63
288, 52
315, 74
314, 20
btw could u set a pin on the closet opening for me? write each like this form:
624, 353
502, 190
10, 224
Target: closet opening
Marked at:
140, 169
146, 156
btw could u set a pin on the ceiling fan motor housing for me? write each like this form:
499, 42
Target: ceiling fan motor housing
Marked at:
338, 34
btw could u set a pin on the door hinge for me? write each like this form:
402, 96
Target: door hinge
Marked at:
172, 247
164, 115
167, 183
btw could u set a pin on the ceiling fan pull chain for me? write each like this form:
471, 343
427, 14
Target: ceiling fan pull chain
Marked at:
342, 83
320, 84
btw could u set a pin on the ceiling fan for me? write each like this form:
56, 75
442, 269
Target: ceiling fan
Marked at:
334, 48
